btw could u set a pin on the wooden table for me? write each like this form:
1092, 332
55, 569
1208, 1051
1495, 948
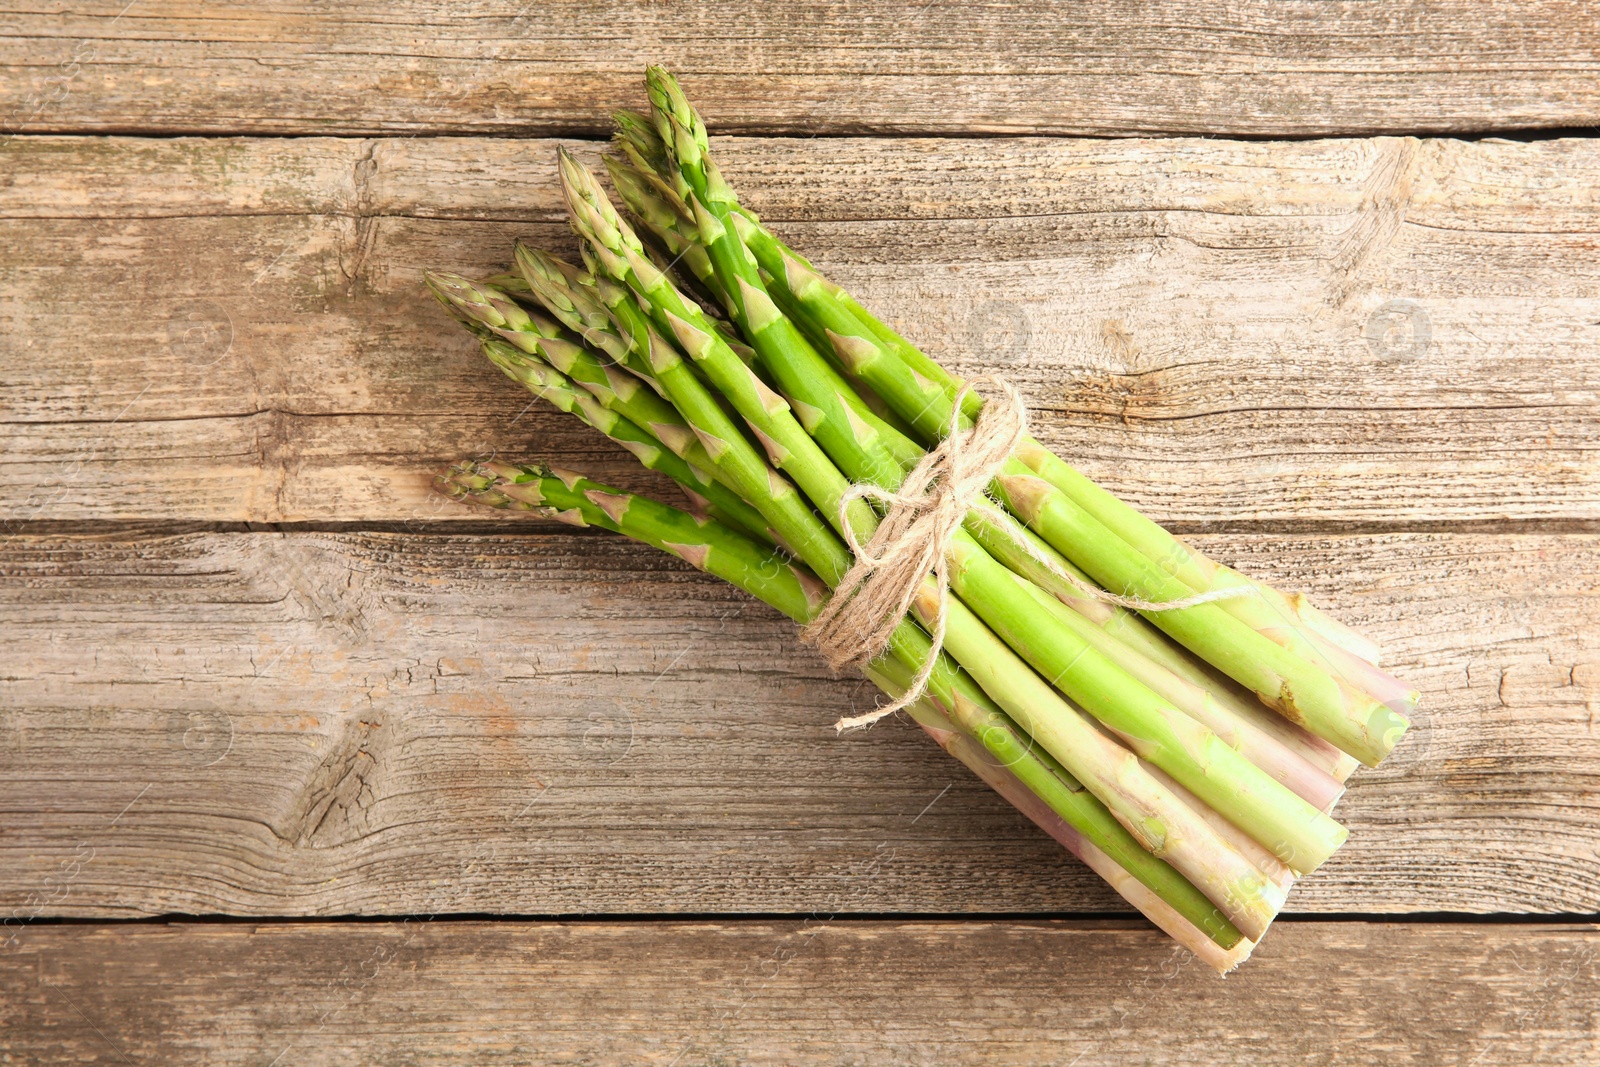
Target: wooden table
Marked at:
305, 765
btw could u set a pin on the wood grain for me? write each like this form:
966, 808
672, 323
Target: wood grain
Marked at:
814, 992
1358, 332
417, 723
516, 67
390, 706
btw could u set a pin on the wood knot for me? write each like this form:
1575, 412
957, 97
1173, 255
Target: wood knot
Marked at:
333, 805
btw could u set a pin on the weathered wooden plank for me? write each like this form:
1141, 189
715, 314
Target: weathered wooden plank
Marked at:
341, 723
1350, 331
820, 991
509, 66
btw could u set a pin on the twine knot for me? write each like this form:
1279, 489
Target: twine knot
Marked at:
919, 520
907, 552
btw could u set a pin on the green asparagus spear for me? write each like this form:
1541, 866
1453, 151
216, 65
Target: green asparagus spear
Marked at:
1340, 720
1298, 832
1160, 819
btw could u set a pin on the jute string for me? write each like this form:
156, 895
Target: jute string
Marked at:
912, 542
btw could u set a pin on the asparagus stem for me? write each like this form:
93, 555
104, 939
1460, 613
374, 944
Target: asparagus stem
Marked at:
913, 396
1318, 788
1162, 823
1339, 661
792, 590
1296, 831
916, 398
921, 402
1319, 639
887, 337
1203, 575
1169, 919
1263, 860
823, 299
825, 403
1000, 755
1158, 819
1299, 760
1327, 707
836, 309
899, 436
810, 382
1136, 829
1004, 537
706, 544
1296, 605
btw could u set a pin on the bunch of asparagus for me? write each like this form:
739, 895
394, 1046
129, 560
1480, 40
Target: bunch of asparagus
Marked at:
1190, 756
